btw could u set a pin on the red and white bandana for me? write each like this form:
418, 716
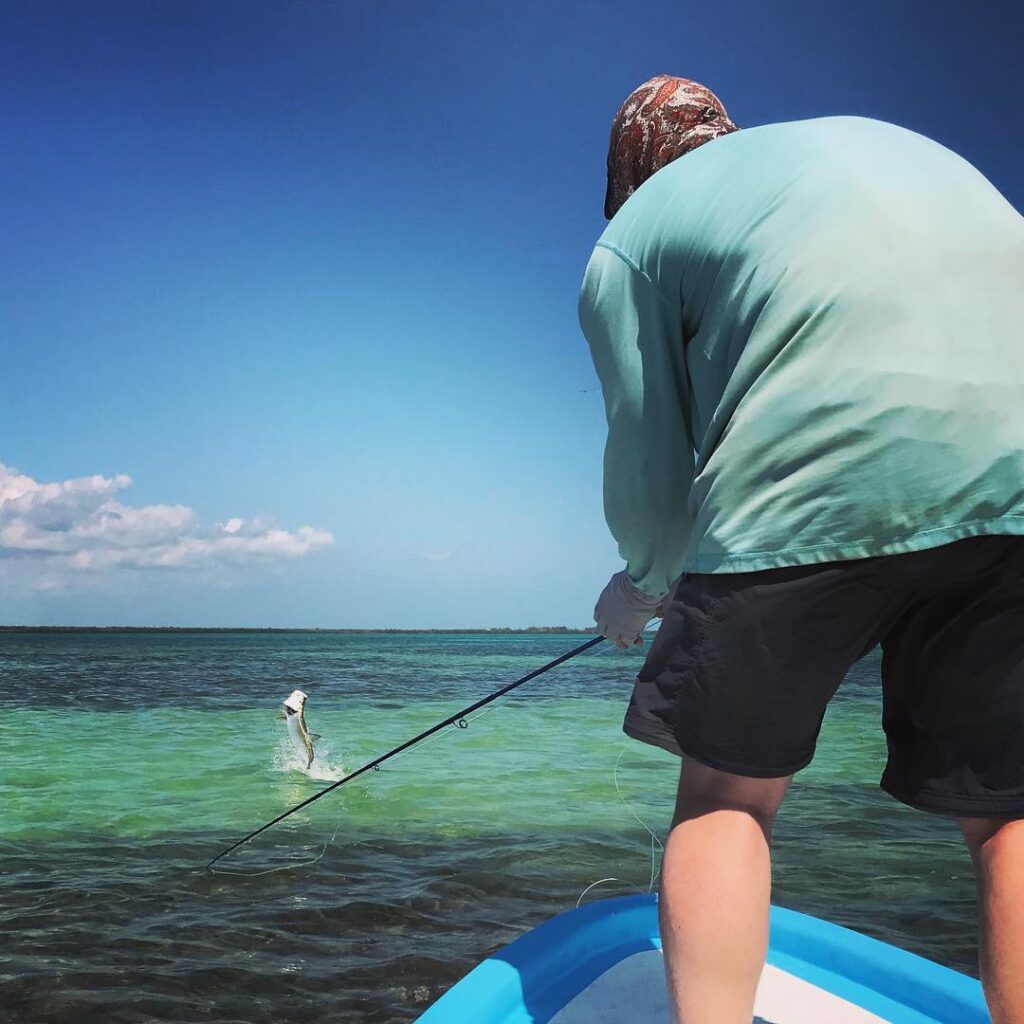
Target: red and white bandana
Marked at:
660, 121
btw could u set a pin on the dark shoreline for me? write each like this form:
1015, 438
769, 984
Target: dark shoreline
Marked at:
285, 629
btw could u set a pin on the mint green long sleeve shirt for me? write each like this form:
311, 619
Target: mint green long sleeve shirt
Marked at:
810, 340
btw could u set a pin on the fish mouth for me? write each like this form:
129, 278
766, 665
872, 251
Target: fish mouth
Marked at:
295, 702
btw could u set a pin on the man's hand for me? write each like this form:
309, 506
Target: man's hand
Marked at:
622, 611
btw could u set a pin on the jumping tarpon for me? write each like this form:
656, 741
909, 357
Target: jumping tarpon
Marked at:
294, 714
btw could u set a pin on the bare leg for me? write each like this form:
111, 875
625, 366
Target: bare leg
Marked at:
997, 849
716, 892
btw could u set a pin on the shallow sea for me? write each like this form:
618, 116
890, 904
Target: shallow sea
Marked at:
128, 760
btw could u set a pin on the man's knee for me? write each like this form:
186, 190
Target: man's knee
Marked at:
703, 790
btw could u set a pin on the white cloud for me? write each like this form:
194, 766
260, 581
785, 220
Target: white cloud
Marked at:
80, 526
438, 556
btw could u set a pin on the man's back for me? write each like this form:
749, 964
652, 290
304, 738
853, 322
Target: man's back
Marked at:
850, 296
832, 312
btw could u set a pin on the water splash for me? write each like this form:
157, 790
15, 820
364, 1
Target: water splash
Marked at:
326, 766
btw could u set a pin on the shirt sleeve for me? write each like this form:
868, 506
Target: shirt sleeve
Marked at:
636, 341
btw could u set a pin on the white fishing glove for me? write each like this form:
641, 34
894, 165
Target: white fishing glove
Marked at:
622, 610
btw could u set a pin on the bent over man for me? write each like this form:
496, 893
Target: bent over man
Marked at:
810, 339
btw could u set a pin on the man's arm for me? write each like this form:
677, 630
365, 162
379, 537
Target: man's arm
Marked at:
636, 341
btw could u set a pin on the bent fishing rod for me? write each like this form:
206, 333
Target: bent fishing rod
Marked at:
457, 719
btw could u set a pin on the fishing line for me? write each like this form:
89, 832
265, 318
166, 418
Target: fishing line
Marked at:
655, 841
460, 719
281, 867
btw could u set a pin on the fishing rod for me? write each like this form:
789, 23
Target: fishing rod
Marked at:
457, 719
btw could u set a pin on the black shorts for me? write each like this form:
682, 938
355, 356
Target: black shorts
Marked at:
740, 673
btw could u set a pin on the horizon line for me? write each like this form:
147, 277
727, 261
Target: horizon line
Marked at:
291, 629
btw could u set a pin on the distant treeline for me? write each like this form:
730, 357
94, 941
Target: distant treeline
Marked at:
279, 629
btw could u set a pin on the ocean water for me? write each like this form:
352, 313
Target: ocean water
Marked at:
128, 760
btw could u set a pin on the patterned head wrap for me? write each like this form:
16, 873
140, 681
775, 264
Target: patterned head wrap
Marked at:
663, 119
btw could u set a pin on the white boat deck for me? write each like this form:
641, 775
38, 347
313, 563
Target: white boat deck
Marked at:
633, 992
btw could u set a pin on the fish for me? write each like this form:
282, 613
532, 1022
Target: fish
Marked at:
294, 715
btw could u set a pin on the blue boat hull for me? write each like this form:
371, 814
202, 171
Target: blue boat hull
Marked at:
536, 977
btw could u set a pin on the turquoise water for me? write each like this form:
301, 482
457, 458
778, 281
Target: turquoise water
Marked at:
130, 759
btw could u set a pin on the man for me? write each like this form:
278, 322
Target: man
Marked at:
810, 339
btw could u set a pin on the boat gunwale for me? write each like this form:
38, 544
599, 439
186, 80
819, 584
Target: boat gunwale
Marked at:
526, 982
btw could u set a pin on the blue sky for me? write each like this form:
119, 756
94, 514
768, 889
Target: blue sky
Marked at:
315, 265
